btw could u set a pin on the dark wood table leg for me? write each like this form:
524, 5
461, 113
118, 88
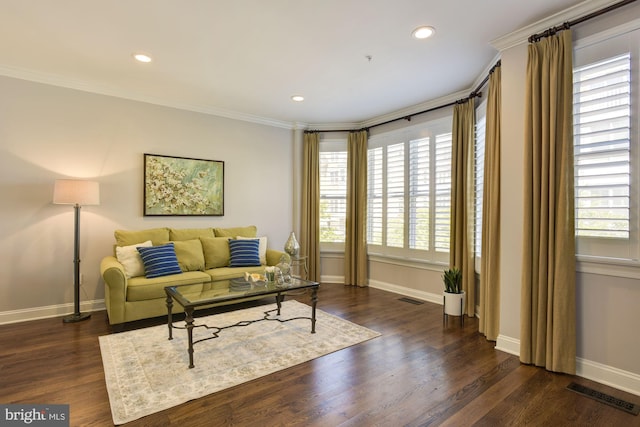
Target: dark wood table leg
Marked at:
189, 320
279, 299
314, 302
170, 316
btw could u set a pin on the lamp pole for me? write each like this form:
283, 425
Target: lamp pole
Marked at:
76, 316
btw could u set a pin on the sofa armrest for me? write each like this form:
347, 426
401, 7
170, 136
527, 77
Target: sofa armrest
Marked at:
115, 290
274, 255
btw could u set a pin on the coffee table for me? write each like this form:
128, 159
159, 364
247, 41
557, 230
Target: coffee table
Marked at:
222, 296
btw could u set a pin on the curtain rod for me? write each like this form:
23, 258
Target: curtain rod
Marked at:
475, 93
553, 30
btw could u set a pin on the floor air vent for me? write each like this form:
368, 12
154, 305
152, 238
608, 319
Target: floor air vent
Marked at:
411, 301
605, 398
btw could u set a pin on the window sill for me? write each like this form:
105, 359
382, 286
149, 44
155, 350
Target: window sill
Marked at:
615, 267
408, 262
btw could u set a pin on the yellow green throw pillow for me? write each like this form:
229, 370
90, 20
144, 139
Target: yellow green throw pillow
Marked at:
127, 238
249, 231
189, 233
216, 251
189, 253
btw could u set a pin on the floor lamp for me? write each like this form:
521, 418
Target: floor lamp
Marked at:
77, 193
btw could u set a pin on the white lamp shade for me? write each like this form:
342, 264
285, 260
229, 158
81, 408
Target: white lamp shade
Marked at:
76, 192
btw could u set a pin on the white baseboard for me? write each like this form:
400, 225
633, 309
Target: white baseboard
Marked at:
24, 315
414, 293
508, 345
594, 371
332, 279
614, 377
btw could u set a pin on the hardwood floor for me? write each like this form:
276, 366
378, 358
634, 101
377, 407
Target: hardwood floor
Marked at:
418, 373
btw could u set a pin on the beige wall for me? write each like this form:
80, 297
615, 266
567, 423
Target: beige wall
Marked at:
48, 132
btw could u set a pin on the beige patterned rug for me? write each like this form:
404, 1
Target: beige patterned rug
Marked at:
146, 373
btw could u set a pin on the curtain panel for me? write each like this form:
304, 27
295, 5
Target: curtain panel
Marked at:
548, 306
461, 253
355, 256
489, 323
310, 209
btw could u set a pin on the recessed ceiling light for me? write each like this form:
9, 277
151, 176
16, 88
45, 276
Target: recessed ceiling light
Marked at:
423, 32
142, 57
297, 98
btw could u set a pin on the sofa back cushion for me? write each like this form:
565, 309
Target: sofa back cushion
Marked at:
128, 238
189, 233
249, 231
189, 254
216, 252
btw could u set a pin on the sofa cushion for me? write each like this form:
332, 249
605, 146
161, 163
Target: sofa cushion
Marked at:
244, 253
157, 235
189, 254
142, 289
226, 273
189, 233
130, 259
262, 247
159, 260
216, 251
249, 231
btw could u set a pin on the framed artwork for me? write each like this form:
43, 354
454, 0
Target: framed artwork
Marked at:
181, 186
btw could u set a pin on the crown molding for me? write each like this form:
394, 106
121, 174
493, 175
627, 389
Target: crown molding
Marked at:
485, 73
415, 109
53, 80
338, 127
522, 35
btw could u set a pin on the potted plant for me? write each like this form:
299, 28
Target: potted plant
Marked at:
454, 296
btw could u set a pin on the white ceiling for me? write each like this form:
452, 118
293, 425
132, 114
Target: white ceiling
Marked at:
245, 58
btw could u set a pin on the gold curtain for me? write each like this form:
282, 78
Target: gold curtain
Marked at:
461, 253
490, 257
355, 251
548, 306
310, 221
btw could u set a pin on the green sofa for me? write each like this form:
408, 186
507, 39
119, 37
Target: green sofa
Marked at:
202, 254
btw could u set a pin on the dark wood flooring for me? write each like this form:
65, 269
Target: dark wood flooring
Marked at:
418, 373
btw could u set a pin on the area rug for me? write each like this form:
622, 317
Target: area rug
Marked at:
146, 373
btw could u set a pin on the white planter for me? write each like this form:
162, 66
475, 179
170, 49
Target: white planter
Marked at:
454, 303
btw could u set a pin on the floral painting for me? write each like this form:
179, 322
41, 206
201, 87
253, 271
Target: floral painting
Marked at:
182, 186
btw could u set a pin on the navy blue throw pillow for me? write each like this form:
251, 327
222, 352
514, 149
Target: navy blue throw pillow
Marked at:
159, 260
244, 253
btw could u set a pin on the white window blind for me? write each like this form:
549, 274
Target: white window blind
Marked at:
480, 131
442, 192
333, 196
395, 195
602, 121
409, 179
419, 194
374, 199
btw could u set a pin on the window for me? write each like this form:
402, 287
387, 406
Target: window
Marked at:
333, 191
374, 199
409, 192
605, 127
419, 193
478, 175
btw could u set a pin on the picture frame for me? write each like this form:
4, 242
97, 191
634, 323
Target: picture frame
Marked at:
183, 186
